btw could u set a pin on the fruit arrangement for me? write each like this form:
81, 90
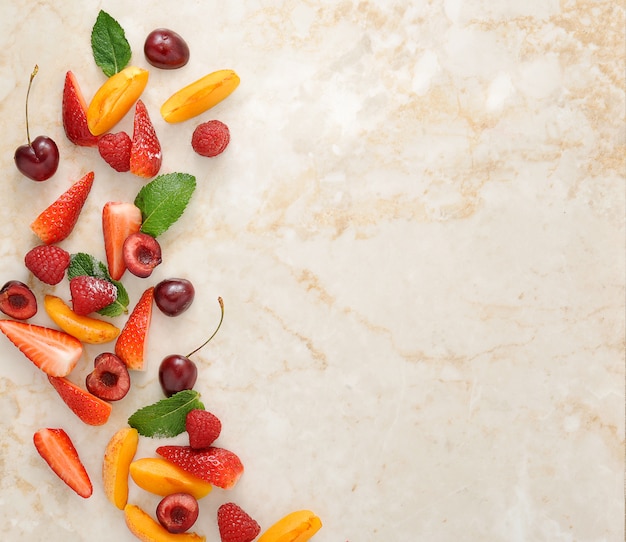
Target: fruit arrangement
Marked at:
181, 474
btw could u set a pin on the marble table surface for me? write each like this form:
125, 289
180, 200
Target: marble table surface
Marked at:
418, 233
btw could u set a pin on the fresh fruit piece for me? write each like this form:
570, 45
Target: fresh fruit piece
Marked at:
176, 372
57, 449
218, 466
145, 150
131, 345
115, 98
236, 525
115, 150
177, 512
84, 328
109, 380
90, 294
298, 526
17, 300
148, 530
203, 428
38, 159
118, 456
174, 296
48, 263
119, 220
57, 221
199, 96
54, 352
89, 408
74, 113
210, 138
166, 49
141, 253
162, 477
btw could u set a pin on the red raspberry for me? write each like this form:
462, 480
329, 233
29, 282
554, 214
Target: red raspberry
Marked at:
203, 428
90, 294
115, 149
210, 138
235, 525
48, 263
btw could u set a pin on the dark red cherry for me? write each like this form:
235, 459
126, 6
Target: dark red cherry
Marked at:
166, 49
173, 296
109, 380
142, 253
177, 512
17, 300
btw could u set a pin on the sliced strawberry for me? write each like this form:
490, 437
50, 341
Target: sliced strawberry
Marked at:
115, 150
119, 220
131, 344
48, 263
202, 427
74, 112
218, 466
57, 221
236, 525
57, 449
89, 408
145, 153
54, 352
90, 294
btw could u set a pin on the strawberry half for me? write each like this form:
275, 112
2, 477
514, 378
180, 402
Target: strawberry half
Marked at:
236, 525
89, 408
131, 343
48, 263
57, 221
57, 449
115, 150
202, 427
74, 112
119, 220
218, 466
54, 352
145, 152
90, 294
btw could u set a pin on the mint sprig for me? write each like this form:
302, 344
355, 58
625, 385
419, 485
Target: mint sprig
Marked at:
85, 264
163, 200
111, 49
166, 418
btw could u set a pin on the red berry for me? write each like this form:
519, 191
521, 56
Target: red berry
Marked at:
210, 138
48, 263
235, 525
203, 428
90, 294
115, 150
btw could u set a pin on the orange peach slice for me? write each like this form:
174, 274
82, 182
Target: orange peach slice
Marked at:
199, 96
161, 477
118, 455
299, 526
148, 530
85, 328
115, 98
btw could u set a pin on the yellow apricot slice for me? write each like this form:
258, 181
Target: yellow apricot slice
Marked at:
85, 328
118, 455
148, 530
161, 477
115, 98
199, 96
298, 526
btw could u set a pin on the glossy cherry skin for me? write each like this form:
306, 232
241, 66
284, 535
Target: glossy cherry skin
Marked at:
17, 300
39, 160
173, 296
177, 373
166, 49
178, 512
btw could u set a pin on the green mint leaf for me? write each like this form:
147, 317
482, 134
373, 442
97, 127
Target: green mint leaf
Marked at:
111, 49
163, 200
85, 264
166, 418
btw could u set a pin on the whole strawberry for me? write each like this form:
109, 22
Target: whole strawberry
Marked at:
210, 138
90, 294
203, 428
235, 525
115, 150
48, 263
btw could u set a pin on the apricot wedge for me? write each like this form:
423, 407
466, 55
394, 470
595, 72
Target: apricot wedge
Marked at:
298, 526
199, 96
85, 328
118, 455
162, 477
115, 98
147, 529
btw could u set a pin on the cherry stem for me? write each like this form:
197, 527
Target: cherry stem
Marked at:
221, 302
30, 84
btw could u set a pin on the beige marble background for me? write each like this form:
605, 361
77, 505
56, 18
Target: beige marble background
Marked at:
418, 233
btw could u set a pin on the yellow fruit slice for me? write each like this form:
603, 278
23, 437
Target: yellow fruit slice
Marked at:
299, 526
199, 96
115, 98
118, 455
148, 530
85, 328
161, 477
